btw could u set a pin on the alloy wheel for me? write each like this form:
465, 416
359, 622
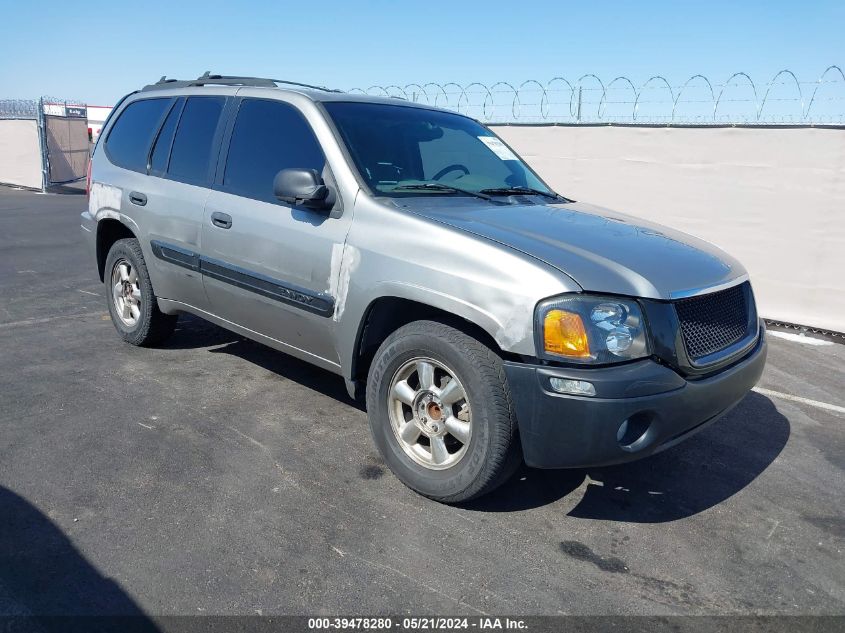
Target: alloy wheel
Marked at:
430, 413
126, 292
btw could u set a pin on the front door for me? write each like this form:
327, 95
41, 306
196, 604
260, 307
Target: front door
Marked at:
268, 266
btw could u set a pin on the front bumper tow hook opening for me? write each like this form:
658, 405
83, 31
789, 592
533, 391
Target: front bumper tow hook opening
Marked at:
632, 433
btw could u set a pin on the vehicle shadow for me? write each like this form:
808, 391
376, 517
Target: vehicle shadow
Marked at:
47, 585
687, 479
290, 368
193, 332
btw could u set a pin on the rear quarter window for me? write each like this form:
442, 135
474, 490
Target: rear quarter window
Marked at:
128, 143
161, 150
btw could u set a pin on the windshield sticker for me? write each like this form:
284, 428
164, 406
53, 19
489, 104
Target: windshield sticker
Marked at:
498, 148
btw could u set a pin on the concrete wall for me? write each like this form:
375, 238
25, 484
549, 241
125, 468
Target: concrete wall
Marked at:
20, 153
774, 198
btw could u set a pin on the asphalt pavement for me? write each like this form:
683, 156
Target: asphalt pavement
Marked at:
216, 476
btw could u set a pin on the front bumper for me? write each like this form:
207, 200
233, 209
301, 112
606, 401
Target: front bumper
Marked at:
661, 407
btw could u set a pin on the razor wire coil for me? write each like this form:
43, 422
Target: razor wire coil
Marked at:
784, 99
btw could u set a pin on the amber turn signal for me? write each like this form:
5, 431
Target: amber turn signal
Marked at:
564, 334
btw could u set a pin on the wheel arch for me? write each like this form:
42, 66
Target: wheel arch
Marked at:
109, 231
386, 314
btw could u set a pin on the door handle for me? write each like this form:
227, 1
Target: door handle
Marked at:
138, 198
221, 220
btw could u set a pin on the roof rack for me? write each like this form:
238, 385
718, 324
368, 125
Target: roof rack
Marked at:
227, 80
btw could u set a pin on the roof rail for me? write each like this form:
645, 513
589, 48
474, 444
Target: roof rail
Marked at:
227, 80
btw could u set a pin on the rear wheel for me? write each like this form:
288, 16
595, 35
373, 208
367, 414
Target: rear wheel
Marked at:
440, 412
132, 303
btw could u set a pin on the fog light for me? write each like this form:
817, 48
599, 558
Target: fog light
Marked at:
575, 387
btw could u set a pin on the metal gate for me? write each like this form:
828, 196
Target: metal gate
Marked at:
65, 142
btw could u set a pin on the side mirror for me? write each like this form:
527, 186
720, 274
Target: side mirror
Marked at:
302, 187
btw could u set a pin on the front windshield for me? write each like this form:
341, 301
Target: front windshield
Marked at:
402, 151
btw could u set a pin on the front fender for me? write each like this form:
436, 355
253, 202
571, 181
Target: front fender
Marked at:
394, 254
508, 334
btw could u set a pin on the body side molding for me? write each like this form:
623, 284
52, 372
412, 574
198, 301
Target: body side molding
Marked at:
263, 285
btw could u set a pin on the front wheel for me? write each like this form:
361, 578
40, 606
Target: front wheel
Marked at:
440, 412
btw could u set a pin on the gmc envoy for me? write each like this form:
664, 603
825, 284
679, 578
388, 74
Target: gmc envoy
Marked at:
485, 318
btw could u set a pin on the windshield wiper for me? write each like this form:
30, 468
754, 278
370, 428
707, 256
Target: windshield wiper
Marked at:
507, 191
434, 186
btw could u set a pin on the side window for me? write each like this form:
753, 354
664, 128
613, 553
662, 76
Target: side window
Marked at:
161, 149
128, 144
191, 154
268, 136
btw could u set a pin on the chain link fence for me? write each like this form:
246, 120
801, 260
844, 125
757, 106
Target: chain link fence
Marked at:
785, 99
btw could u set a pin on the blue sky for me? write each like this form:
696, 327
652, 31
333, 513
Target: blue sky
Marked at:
97, 51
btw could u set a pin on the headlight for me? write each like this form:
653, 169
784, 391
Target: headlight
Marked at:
590, 329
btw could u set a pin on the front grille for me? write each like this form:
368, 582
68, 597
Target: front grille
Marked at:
712, 322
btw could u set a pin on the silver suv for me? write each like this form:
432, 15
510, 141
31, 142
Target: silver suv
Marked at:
486, 318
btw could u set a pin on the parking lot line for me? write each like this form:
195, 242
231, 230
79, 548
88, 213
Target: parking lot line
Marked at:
83, 315
812, 403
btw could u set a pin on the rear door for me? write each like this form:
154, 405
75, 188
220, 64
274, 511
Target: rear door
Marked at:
122, 185
267, 265
182, 164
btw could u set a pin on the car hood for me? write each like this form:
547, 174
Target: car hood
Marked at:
601, 250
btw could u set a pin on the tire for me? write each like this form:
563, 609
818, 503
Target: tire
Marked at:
132, 303
479, 430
